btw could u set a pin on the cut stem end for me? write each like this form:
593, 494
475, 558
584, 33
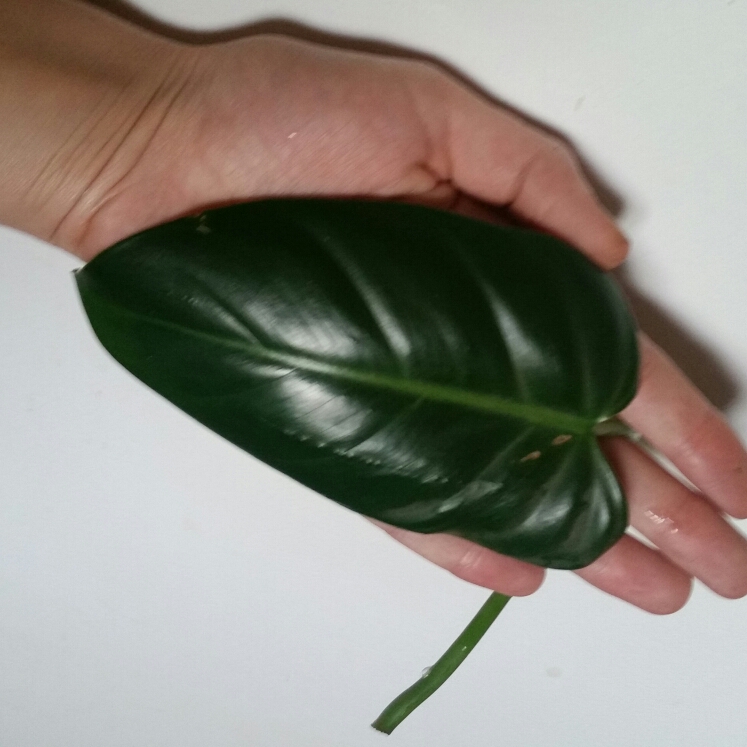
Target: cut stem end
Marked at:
433, 677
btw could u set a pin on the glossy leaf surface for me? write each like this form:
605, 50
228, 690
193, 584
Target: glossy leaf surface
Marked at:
429, 370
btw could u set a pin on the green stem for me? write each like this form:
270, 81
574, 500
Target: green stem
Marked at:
433, 677
616, 427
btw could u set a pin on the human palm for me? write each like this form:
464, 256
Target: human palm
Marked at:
268, 116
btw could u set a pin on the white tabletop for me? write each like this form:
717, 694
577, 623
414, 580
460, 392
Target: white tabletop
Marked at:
159, 587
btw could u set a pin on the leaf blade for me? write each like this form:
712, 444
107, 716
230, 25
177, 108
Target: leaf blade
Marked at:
303, 350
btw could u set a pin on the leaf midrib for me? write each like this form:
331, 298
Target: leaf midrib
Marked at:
496, 405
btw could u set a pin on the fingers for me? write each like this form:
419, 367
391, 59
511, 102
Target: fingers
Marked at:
675, 417
498, 157
470, 562
691, 537
639, 575
685, 527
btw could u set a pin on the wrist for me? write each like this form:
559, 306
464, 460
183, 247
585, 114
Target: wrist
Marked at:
81, 96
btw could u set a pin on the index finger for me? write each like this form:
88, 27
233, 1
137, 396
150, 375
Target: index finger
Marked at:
497, 157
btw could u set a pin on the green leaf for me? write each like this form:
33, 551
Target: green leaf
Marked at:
429, 370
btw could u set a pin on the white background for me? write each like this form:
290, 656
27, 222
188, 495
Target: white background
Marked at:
160, 588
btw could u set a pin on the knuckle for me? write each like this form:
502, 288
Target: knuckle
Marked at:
427, 72
549, 161
554, 151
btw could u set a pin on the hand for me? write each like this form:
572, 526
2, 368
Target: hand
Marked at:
265, 116
686, 526
270, 116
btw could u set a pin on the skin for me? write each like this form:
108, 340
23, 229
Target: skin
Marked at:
126, 129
